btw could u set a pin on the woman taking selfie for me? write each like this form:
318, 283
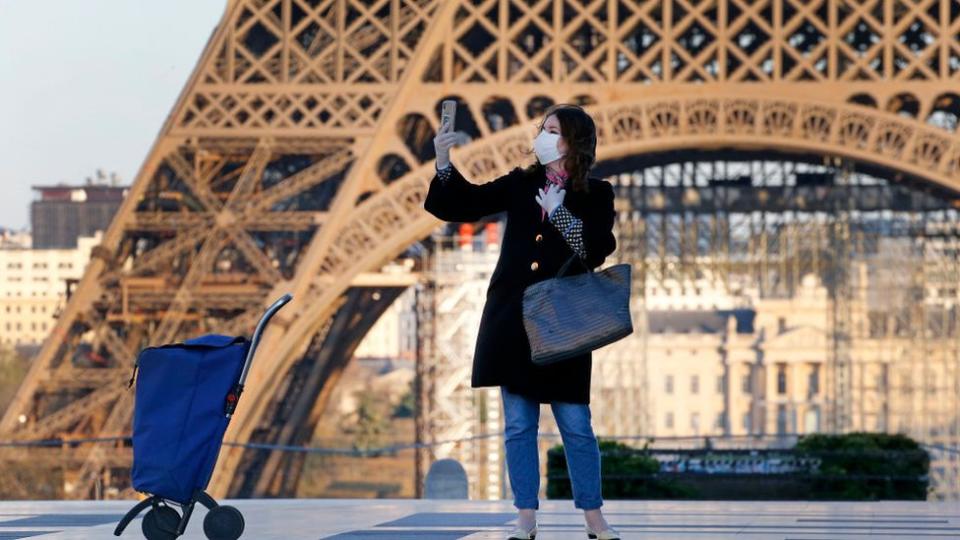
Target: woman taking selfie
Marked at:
554, 210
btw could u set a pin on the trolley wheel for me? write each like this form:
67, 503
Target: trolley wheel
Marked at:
223, 523
161, 523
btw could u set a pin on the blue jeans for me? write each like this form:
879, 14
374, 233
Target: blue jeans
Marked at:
522, 418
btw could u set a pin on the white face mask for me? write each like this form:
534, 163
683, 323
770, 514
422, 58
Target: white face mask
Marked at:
545, 146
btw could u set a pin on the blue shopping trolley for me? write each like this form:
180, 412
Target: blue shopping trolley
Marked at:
186, 393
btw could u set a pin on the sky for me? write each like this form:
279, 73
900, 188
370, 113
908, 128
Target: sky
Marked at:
86, 85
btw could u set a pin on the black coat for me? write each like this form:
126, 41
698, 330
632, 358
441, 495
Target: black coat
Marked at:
502, 354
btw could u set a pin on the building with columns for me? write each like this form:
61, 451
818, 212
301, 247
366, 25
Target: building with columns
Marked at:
716, 364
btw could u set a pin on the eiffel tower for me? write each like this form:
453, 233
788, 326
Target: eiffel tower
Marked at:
297, 157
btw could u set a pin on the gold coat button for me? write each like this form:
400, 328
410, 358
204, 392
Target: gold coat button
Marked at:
539, 238
534, 265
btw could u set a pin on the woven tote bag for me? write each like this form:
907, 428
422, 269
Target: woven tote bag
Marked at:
567, 316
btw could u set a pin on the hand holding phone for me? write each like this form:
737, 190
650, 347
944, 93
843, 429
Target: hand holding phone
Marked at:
446, 137
448, 114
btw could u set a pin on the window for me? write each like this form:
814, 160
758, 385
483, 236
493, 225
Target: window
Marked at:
668, 421
721, 383
814, 381
880, 424
745, 383
721, 421
781, 419
746, 421
695, 384
668, 385
781, 379
811, 422
695, 422
781, 325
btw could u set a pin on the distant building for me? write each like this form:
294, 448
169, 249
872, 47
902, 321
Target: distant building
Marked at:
745, 371
33, 287
10, 239
715, 364
64, 213
390, 338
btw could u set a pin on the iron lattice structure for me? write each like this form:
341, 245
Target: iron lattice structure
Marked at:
297, 157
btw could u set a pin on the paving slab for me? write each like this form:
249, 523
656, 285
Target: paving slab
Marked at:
403, 519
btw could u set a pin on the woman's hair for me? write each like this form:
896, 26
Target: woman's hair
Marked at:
580, 134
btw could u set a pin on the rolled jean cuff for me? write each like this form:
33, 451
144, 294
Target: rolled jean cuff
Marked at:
528, 504
588, 505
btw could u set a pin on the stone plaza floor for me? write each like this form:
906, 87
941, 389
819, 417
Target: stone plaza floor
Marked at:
380, 519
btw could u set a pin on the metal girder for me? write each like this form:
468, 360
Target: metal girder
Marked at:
69, 377
199, 267
170, 221
284, 221
153, 260
299, 182
250, 177
64, 418
255, 257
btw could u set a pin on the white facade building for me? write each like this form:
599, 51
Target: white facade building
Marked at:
33, 287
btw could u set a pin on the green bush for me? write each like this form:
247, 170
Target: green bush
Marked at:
407, 406
626, 472
855, 466
867, 466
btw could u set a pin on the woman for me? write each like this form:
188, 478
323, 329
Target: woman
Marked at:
554, 210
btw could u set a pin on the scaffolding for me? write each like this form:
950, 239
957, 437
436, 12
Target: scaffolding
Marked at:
454, 420
884, 250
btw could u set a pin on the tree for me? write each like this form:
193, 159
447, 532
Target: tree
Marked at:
13, 369
371, 419
407, 406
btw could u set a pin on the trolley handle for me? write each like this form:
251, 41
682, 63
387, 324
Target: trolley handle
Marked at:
255, 340
234, 396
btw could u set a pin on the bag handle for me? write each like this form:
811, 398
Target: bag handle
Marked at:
566, 265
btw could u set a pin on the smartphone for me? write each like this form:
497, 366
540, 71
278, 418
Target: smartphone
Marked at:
448, 112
